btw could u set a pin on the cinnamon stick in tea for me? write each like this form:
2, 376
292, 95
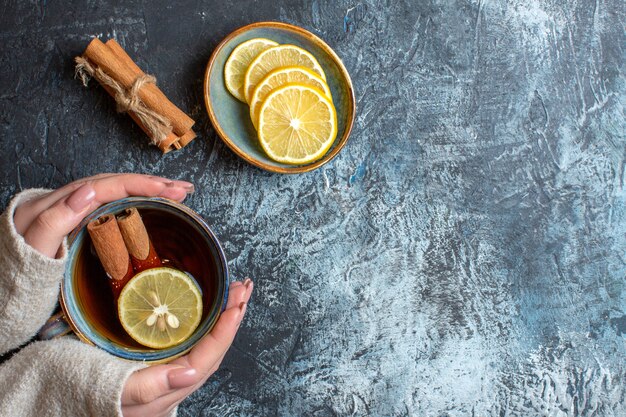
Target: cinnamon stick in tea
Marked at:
172, 141
111, 249
142, 253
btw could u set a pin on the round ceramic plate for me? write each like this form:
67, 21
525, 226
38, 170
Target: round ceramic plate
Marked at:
231, 117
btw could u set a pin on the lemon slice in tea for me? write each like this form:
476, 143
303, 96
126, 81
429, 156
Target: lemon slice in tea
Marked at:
297, 124
278, 78
160, 307
239, 61
276, 57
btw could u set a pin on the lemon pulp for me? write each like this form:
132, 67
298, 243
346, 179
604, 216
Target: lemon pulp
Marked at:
239, 61
297, 124
160, 307
278, 78
276, 57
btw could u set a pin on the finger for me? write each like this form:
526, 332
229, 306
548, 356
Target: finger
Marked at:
149, 384
28, 211
117, 185
98, 182
236, 294
249, 288
243, 306
176, 378
46, 232
184, 361
213, 346
155, 397
126, 185
175, 397
216, 366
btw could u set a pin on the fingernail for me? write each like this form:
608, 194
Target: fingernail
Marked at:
247, 282
187, 186
249, 287
182, 377
81, 198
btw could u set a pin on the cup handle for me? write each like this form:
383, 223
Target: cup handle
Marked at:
55, 327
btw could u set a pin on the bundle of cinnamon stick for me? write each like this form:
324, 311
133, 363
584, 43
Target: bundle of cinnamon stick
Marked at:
135, 92
123, 247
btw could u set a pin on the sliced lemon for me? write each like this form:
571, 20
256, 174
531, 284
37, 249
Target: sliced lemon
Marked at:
239, 61
276, 57
280, 77
160, 307
297, 124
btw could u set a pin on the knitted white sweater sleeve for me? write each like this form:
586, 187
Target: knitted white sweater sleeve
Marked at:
61, 377
29, 281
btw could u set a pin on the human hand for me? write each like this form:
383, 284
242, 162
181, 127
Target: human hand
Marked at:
157, 390
45, 221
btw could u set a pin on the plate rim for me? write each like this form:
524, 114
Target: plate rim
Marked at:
245, 156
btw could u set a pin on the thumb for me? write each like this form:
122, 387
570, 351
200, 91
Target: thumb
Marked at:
46, 232
149, 384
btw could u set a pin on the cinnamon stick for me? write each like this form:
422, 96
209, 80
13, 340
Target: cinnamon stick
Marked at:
98, 53
166, 144
142, 253
111, 249
172, 141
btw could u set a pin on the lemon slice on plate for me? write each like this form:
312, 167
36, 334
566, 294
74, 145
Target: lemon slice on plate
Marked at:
239, 61
160, 307
297, 124
280, 77
276, 57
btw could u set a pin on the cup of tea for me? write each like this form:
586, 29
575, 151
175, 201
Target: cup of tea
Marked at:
182, 240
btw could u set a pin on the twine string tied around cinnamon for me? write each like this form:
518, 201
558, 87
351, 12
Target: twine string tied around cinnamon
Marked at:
128, 100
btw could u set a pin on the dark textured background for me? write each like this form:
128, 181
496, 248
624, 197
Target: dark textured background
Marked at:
464, 254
